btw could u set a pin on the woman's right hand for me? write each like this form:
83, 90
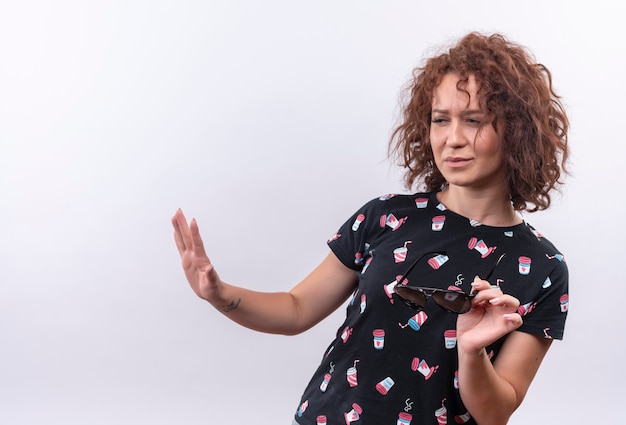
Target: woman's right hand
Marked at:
314, 298
198, 269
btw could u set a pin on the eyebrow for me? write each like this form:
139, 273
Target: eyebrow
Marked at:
466, 112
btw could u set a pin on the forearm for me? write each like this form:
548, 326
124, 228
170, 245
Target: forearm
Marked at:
269, 312
489, 398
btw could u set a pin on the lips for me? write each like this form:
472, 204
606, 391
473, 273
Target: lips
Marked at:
457, 161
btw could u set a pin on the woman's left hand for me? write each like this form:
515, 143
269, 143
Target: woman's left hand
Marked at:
493, 315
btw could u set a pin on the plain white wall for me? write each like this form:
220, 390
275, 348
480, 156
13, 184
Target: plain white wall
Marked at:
268, 122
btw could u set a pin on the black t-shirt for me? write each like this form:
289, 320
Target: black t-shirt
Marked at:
390, 364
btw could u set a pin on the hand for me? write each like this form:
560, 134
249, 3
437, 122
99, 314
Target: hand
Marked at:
199, 271
493, 315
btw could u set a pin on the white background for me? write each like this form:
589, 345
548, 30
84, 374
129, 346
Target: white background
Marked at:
268, 122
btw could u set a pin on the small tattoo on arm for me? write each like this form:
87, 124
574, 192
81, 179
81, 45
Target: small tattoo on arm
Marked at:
230, 307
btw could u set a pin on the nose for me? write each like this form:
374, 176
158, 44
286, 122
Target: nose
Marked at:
456, 136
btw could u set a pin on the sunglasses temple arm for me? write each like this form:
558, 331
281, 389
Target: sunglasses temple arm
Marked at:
412, 266
494, 267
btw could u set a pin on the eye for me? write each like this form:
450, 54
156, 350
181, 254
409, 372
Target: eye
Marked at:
439, 121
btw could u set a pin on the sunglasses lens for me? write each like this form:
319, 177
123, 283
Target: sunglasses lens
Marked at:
456, 302
412, 297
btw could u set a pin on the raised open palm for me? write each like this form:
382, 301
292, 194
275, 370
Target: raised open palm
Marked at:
198, 269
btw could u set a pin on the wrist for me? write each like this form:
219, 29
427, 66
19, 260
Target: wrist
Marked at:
471, 351
227, 306
223, 299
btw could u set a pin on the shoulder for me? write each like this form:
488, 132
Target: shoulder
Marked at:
394, 202
392, 209
376, 218
536, 242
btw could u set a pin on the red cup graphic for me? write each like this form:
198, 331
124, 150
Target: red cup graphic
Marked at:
449, 337
438, 222
417, 320
385, 385
480, 246
564, 302
379, 339
442, 415
461, 419
438, 261
351, 375
399, 254
325, 381
524, 265
421, 202
359, 219
404, 418
354, 414
347, 331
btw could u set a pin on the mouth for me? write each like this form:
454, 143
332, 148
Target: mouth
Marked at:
455, 162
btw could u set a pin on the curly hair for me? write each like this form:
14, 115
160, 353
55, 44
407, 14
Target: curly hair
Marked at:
514, 89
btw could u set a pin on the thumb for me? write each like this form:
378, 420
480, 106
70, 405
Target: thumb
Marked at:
208, 275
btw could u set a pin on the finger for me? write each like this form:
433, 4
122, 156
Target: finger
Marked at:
180, 245
178, 237
483, 290
479, 285
198, 245
509, 302
514, 320
184, 240
208, 275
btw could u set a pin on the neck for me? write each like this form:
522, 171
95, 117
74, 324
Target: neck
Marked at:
486, 207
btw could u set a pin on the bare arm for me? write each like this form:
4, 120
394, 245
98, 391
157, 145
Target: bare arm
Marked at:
492, 392
318, 295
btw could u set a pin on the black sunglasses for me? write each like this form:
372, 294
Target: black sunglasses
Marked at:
457, 302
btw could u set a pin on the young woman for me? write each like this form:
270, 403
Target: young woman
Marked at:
455, 299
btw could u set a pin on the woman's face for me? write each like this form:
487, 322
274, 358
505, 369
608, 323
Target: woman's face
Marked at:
467, 149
